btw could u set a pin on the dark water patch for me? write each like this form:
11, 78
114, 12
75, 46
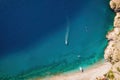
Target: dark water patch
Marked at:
24, 22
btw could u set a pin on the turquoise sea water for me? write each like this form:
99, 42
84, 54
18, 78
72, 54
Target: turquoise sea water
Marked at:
88, 26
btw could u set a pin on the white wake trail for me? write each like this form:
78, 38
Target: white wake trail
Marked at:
67, 34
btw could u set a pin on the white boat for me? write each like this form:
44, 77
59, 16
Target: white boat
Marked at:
66, 42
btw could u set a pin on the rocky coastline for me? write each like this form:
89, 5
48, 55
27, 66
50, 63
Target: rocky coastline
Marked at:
112, 52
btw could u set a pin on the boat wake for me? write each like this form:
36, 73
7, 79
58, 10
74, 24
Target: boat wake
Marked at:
67, 34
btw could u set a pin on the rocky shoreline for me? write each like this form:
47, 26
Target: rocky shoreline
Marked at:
112, 52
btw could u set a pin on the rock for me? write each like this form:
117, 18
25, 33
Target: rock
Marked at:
116, 70
112, 5
112, 52
115, 5
117, 20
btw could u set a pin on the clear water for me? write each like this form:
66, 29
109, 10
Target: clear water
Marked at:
33, 35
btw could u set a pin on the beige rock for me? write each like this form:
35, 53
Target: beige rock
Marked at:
112, 5
115, 5
116, 70
112, 52
117, 20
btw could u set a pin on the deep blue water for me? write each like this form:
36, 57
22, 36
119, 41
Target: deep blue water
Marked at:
32, 33
24, 22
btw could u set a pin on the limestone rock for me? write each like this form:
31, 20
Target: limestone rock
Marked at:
112, 52
115, 5
116, 70
117, 20
112, 5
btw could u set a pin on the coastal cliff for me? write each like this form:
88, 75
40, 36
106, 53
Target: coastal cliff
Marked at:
112, 52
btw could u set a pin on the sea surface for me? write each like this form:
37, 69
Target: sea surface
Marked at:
33, 35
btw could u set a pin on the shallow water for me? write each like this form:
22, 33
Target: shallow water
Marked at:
33, 35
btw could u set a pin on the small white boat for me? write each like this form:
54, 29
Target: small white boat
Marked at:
66, 42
